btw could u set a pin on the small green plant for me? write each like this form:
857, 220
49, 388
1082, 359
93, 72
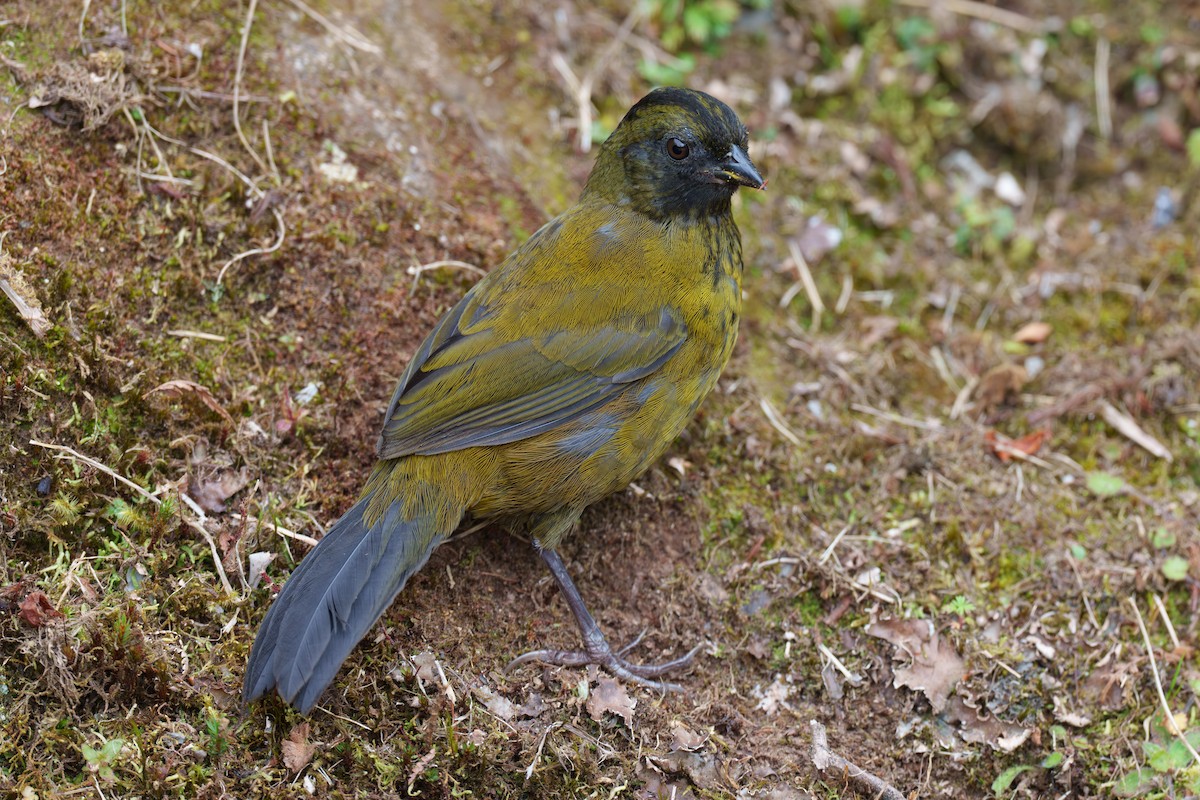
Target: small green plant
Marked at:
958, 605
65, 508
918, 38
100, 760
1053, 760
1193, 148
1167, 758
984, 227
126, 517
700, 22
216, 726
678, 24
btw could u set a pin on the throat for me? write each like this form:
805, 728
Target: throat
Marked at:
714, 241
696, 203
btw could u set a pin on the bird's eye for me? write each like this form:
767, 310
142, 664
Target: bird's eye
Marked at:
677, 149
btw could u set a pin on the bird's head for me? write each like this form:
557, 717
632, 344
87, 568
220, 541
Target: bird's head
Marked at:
677, 153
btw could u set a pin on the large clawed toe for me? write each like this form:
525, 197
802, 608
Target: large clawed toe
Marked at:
596, 648
600, 653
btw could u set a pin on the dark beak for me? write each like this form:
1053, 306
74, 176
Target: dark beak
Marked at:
737, 168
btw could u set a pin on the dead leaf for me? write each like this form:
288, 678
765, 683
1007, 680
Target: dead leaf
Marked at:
655, 786
611, 696
710, 589
1000, 385
37, 610
875, 329
184, 388
535, 706
935, 667
773, 697
703, 769
995, 733
1072, 718
258, 562
882, 215
297, 750
1033, 333
426, 666
759, 647
817, 239
680, 465
499, 706
1105, 686
211, 493
684, 738
1007, 449
419, 768
833, 681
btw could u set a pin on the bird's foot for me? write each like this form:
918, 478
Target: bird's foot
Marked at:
598, 651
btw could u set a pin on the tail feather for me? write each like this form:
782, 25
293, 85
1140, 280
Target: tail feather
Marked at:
334, 597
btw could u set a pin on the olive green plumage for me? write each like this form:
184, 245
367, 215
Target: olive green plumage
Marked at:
559, 378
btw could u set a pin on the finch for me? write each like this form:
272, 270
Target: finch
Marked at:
558, 379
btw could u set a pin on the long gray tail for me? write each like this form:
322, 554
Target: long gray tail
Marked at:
334, 597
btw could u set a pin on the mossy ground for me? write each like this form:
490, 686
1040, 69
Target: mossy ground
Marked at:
841, 475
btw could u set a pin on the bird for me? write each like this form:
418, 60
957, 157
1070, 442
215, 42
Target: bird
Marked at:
559, 378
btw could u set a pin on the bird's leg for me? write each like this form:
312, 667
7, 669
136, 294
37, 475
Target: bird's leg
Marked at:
596, 648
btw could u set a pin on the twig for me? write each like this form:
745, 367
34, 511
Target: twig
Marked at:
198, 526
925, 425
1103, 95
290, 534
29, 310
18, 348
244, 178
216, 159
810, 286
150, 176
351, 720
1162, 698
1087, 603
83, 17
969, 8
416, 271
1126, 426
823, 758
541, 743
69, 453
854, 678
996, 660
833, 545
91, 462
208, 337
1162, 612
843, 300
777, 422
343, 33
774, 562
266, 133
257, 251
1019, 454
581, 88
237, 88
204, 94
